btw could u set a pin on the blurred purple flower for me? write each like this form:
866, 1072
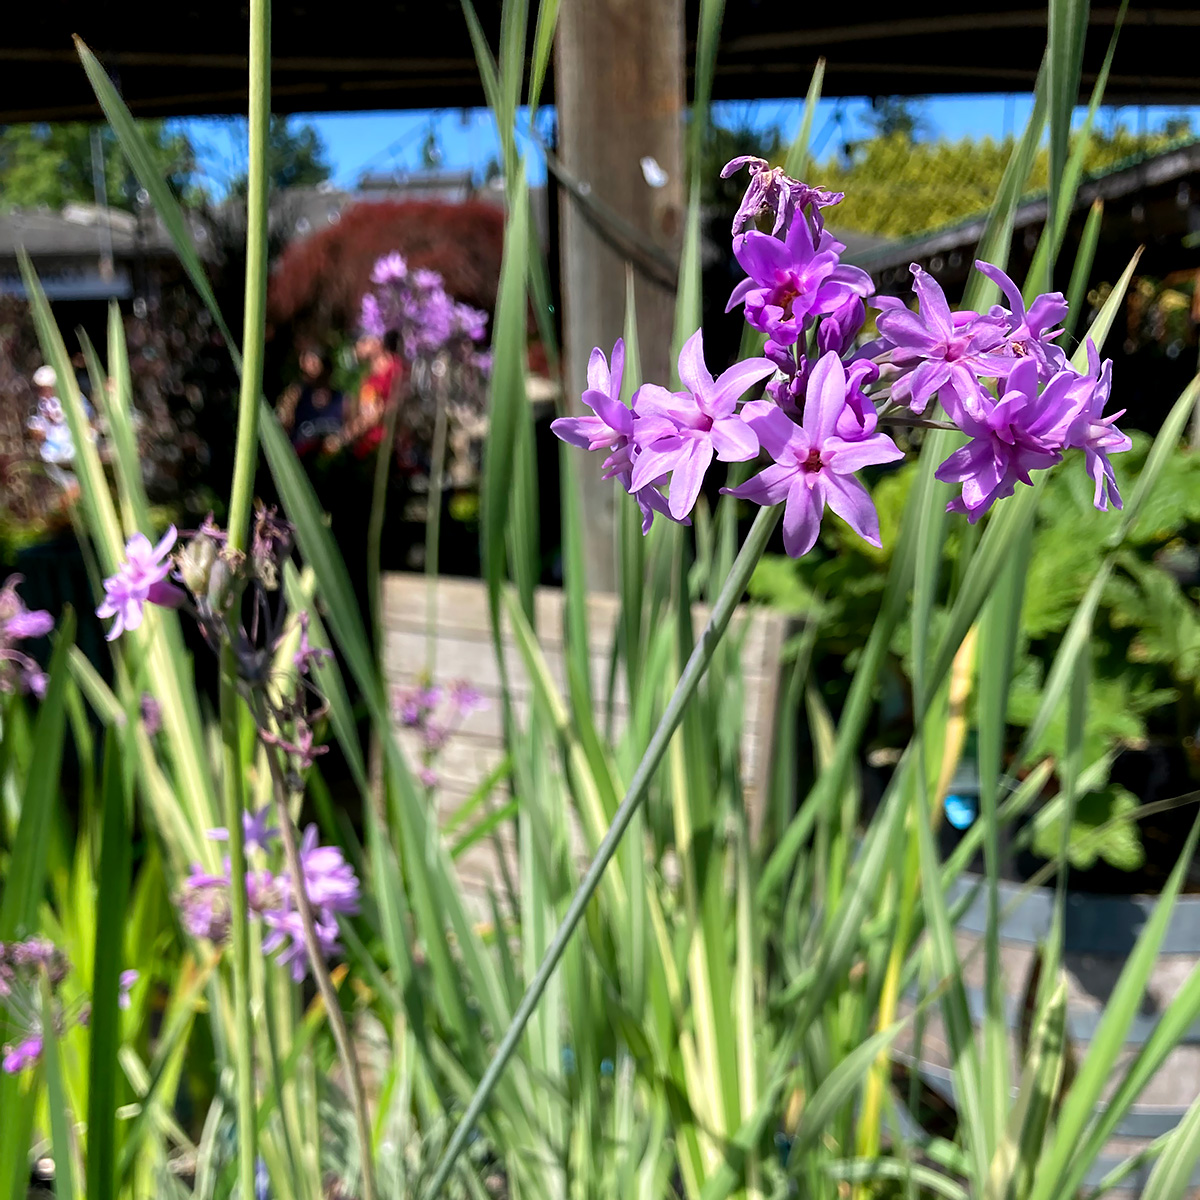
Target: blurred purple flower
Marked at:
307, 655
140, 580
124, 986
23, 1055
151, 714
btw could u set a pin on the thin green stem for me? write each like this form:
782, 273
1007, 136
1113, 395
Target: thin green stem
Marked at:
433, 527
245, 463
689, 680
316, 961
383, 470
239, 926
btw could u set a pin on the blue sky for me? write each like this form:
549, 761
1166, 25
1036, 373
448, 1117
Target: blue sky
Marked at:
390, 141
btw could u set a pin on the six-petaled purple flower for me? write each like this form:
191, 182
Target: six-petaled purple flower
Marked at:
813, 467
140, 580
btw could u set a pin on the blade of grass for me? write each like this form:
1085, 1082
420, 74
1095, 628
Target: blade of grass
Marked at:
56, 1101
104, 1024
141, 158
722, 611
39, 802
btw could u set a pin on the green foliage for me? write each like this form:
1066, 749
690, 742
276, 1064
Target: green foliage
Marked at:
899, 188
52, 164
1109, 810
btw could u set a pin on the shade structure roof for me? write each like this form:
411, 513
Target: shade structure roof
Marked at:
188, 57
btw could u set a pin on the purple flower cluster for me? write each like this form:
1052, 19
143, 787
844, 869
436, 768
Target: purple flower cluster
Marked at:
329, 882
436, 713
18, 624
23, 1012
416, 305
999, 376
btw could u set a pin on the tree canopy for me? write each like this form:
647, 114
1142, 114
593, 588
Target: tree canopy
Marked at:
897, 187
52, 164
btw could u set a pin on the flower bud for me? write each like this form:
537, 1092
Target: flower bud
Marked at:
220, 583
196, 562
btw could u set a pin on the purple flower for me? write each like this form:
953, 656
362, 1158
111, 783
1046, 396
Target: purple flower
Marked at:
1020, 432
1031, 332
204, 905
24, 1054
371, 318
329, 879
939, 349
287, 936
307, 655
124, 986
791, 282
680, 432
814, 467
466, 699
390, 269
842, 326
16, 624
428, 777
151, 714
332, 888
140, 580
770, 190
258, 832
1095, 433
610, 429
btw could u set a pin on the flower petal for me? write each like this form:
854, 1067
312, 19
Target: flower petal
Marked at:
656, 460
693, 374
825, 398
763, 257
733, 440
597, 372
847, 497
723, 393
769, 486
687, 478
934, 307
802, 515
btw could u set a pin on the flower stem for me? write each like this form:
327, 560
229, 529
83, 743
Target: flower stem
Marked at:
337, 1019
433, 525
689, 680
245, 463
379, 490
245, 460
239, 928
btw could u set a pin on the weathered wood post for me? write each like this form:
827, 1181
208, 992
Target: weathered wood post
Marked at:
620, 93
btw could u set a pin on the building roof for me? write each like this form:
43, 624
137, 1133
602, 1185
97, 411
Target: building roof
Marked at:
390, 54
1122, 179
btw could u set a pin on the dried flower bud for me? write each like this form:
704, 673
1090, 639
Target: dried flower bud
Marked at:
195, 563
220, 583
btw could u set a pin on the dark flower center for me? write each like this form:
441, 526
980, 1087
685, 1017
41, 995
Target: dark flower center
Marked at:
813, 462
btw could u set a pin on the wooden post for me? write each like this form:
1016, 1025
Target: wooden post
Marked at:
620, 95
